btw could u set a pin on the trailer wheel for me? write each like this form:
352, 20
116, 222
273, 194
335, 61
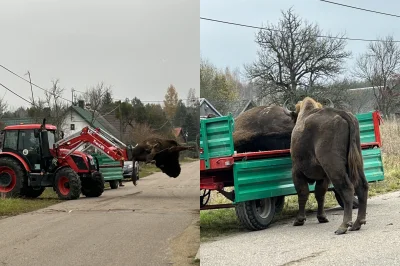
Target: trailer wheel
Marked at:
279, 204
30, 192
340, 201
256, 214
11, 177
93, 186
67, 184
114, 184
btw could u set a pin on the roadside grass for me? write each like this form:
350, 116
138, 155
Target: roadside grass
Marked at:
15, 206
221, 222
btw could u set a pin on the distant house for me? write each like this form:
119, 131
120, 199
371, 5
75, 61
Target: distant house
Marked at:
206, 108
8, 121
179, 134
241, 106
362, 100
79, 116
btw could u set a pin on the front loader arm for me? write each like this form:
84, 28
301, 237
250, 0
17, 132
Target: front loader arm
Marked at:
106, 143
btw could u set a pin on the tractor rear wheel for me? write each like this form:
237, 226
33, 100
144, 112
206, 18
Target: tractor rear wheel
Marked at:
93, 186
11, 177
67, 184
30, 192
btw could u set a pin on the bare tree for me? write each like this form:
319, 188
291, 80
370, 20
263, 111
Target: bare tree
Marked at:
292, 55
94, 97
57, 109
380, 66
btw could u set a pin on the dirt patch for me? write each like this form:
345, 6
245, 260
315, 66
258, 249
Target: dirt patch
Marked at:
185, 246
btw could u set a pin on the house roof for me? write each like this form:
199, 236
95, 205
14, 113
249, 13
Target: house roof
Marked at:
17, 120
240, 106
204, 100
99, 122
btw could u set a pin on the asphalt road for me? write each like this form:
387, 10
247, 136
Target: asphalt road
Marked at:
151, 224
377, 242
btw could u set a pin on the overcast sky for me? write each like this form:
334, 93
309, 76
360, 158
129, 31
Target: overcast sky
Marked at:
139, 47
226, 45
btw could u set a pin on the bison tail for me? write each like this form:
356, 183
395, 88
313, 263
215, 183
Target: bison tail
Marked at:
354, 157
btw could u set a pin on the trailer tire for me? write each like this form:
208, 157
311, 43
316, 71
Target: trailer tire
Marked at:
93, 186
67, 184
114, 184
340, 201
256, 214
12, 176
279, 204
30, 192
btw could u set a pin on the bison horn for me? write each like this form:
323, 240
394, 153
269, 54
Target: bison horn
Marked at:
285, 109
331, 105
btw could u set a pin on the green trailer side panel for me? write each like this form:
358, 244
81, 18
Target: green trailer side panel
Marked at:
272, 177
216, 138
367, 133
114, 173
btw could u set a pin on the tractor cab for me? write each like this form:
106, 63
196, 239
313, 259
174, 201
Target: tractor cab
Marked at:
32, 142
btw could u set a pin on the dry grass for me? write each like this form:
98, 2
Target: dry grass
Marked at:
224, 221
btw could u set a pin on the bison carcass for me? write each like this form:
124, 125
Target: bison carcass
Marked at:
164, 152
262, 128
326, 147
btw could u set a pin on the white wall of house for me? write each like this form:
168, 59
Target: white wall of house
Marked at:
75, 119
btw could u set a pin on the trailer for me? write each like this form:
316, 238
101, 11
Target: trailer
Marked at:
261, 180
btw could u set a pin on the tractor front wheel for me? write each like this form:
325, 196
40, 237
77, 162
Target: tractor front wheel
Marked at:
93, 186
67, 184
11, 177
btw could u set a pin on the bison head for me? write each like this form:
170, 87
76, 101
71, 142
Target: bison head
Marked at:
165, 153
306, 104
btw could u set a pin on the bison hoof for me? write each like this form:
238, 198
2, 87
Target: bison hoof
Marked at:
341, 231
357, 225
322, 219
299, 221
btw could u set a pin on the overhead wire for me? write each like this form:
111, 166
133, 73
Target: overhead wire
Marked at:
12, 72
16, 94
360, 8
276, 30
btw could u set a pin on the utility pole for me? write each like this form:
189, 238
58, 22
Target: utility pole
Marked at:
30, 82
120, 121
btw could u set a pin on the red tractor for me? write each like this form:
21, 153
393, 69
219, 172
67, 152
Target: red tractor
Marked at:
33, 157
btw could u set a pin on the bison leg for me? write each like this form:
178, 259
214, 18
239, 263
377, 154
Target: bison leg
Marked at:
301, 185
321, 187
345, 188
362, 194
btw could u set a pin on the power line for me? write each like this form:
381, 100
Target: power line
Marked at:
16, 94
318, 36
359, 8
12, 72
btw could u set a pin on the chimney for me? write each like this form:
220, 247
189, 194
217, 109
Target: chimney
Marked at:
81, 104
